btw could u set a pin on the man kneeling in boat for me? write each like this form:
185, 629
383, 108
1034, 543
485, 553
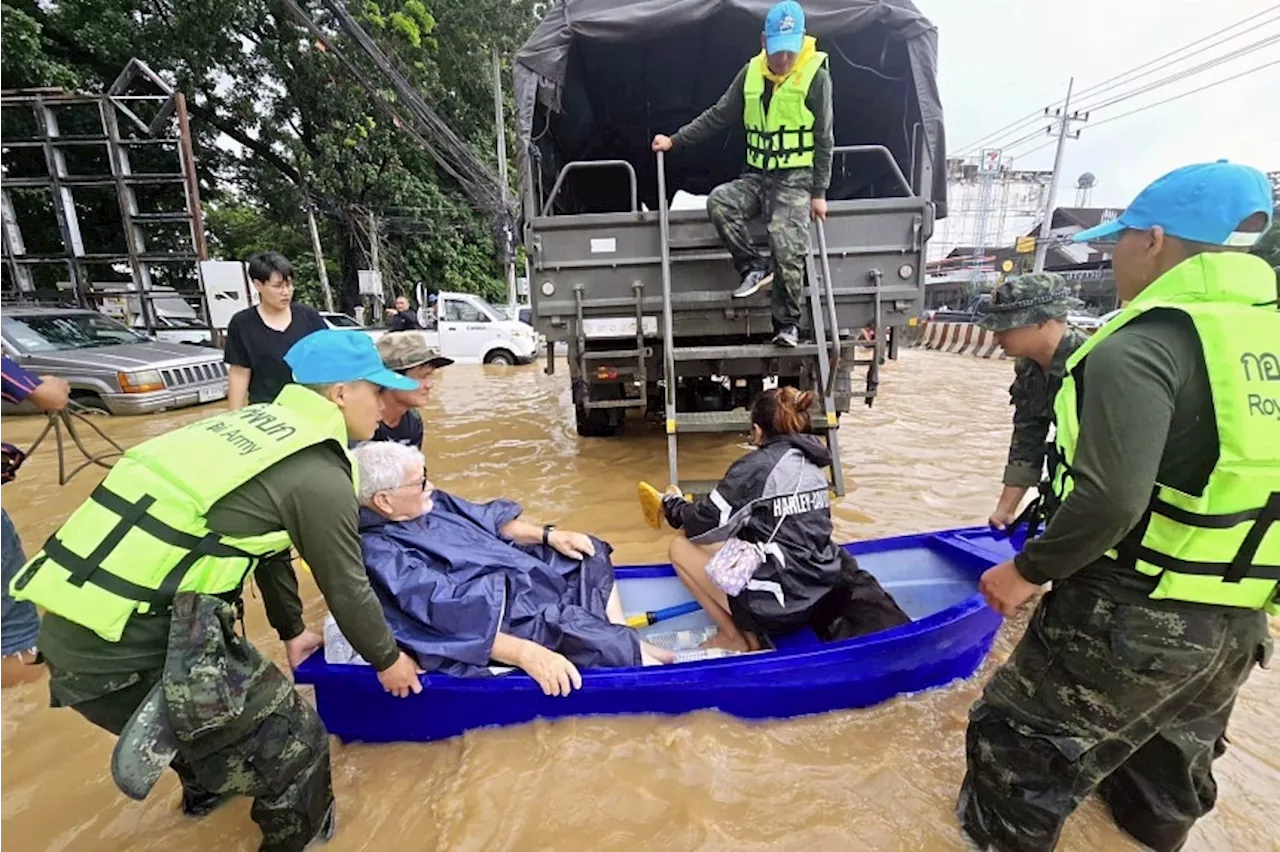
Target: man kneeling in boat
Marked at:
757, 552
464, 583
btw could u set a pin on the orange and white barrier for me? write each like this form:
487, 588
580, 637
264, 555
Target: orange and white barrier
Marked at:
959, 338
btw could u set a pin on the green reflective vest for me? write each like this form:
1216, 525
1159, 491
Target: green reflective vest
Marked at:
782, 138
141, 536
1221, 546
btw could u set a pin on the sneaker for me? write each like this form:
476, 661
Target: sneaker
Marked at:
753, 282
788, 337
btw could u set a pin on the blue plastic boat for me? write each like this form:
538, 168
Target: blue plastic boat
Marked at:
933, 576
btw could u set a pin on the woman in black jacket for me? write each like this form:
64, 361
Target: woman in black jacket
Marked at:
776, 497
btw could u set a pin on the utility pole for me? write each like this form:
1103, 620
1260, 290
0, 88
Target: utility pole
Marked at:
315, 248
500, 128
1064, 117
373, 261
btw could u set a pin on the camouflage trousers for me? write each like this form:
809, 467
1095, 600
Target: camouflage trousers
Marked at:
274, 748
1130, 701
782, 199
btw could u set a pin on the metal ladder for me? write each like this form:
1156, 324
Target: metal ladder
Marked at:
826, 348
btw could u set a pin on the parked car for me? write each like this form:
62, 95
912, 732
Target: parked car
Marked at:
343, 322
110, 366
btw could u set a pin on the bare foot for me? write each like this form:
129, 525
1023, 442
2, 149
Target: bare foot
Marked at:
652, 655
735, 642
20, 668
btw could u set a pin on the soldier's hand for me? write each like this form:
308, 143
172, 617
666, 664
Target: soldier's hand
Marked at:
1000, 519
402, 677
662, 143
1005, 590
302, 646
818, 207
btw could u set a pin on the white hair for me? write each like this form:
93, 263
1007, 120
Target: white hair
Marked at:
382, 465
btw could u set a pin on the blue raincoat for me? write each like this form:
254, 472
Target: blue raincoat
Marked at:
448, 583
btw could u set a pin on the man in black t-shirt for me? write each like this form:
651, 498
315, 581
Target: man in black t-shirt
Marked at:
403, 319
408, 354
258, 337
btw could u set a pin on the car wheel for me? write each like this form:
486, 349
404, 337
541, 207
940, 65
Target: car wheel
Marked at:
90, 401
500, 358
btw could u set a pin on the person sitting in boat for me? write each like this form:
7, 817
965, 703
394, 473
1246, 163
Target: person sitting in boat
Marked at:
775, 499
464, 583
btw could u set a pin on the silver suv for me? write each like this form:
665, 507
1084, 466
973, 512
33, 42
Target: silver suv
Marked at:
108, 365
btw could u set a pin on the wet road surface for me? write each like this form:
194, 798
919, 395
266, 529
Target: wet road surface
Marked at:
928, 455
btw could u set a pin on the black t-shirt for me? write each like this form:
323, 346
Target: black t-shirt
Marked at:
252, 343
408, 431
403, 321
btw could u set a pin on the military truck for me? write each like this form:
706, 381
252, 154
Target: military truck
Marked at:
640, 292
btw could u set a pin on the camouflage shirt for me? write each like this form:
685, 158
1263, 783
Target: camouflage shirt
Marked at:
1031, 395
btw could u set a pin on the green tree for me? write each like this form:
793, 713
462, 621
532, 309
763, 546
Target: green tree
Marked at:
306, 129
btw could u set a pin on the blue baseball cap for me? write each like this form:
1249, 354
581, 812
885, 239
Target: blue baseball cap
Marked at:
329, 356
1204, 203
784, 28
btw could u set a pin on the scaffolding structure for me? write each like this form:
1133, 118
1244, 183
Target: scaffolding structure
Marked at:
116, 173
987, 208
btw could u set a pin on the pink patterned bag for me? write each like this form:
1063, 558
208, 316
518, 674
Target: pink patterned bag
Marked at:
734, 564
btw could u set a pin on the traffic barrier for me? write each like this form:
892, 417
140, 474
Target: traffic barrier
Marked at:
959, 338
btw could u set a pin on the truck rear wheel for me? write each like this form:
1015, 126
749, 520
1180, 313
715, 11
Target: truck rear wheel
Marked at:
597, 422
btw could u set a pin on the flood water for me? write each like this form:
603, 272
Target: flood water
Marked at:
928, 455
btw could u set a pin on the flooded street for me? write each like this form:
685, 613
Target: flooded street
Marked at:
928, 455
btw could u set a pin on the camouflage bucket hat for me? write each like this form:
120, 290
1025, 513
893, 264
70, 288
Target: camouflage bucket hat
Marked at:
404, 350
1024, 300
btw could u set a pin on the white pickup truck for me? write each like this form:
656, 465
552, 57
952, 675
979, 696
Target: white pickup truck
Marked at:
468, 330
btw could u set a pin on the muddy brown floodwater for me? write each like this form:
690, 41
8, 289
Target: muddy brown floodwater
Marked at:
928, 455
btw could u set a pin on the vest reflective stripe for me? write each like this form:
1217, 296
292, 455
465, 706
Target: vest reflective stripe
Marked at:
141, 537
782, 138
1221, 546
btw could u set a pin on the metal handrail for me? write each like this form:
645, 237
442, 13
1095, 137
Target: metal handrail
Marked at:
593, 164
668, 331
888, 155
828, 287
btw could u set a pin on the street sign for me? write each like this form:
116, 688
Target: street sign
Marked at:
1025, 245
990, 162
370, 282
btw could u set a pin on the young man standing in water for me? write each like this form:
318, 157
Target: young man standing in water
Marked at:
783, 99
1028, 315
1164, 546
258, 336
143, 584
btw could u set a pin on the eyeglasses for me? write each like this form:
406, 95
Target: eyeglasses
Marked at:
420, 484
286, 284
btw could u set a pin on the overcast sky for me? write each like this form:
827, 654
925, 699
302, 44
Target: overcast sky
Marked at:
1003, 59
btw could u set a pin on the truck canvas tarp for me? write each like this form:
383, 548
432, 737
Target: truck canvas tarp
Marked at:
598, 78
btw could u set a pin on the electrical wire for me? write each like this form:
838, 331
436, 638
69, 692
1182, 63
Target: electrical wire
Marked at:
1186, 93
1115, 81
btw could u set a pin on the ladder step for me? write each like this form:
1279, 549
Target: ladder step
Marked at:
738, 420
742, 351
698, 487
616, 403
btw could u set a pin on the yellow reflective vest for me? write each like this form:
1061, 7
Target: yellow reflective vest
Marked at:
781, 138
1222, 545
141, 537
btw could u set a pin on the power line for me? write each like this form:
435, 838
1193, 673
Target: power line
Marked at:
1187, 72
1117, 80
1186, 93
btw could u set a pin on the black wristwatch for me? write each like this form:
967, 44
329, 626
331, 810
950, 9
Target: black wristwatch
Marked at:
546, 534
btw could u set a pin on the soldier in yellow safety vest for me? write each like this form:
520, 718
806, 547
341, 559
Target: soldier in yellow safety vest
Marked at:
783, 99
142, 588
1163, 545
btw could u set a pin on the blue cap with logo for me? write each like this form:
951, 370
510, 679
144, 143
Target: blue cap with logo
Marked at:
330, 356
1204, 203
784, 28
